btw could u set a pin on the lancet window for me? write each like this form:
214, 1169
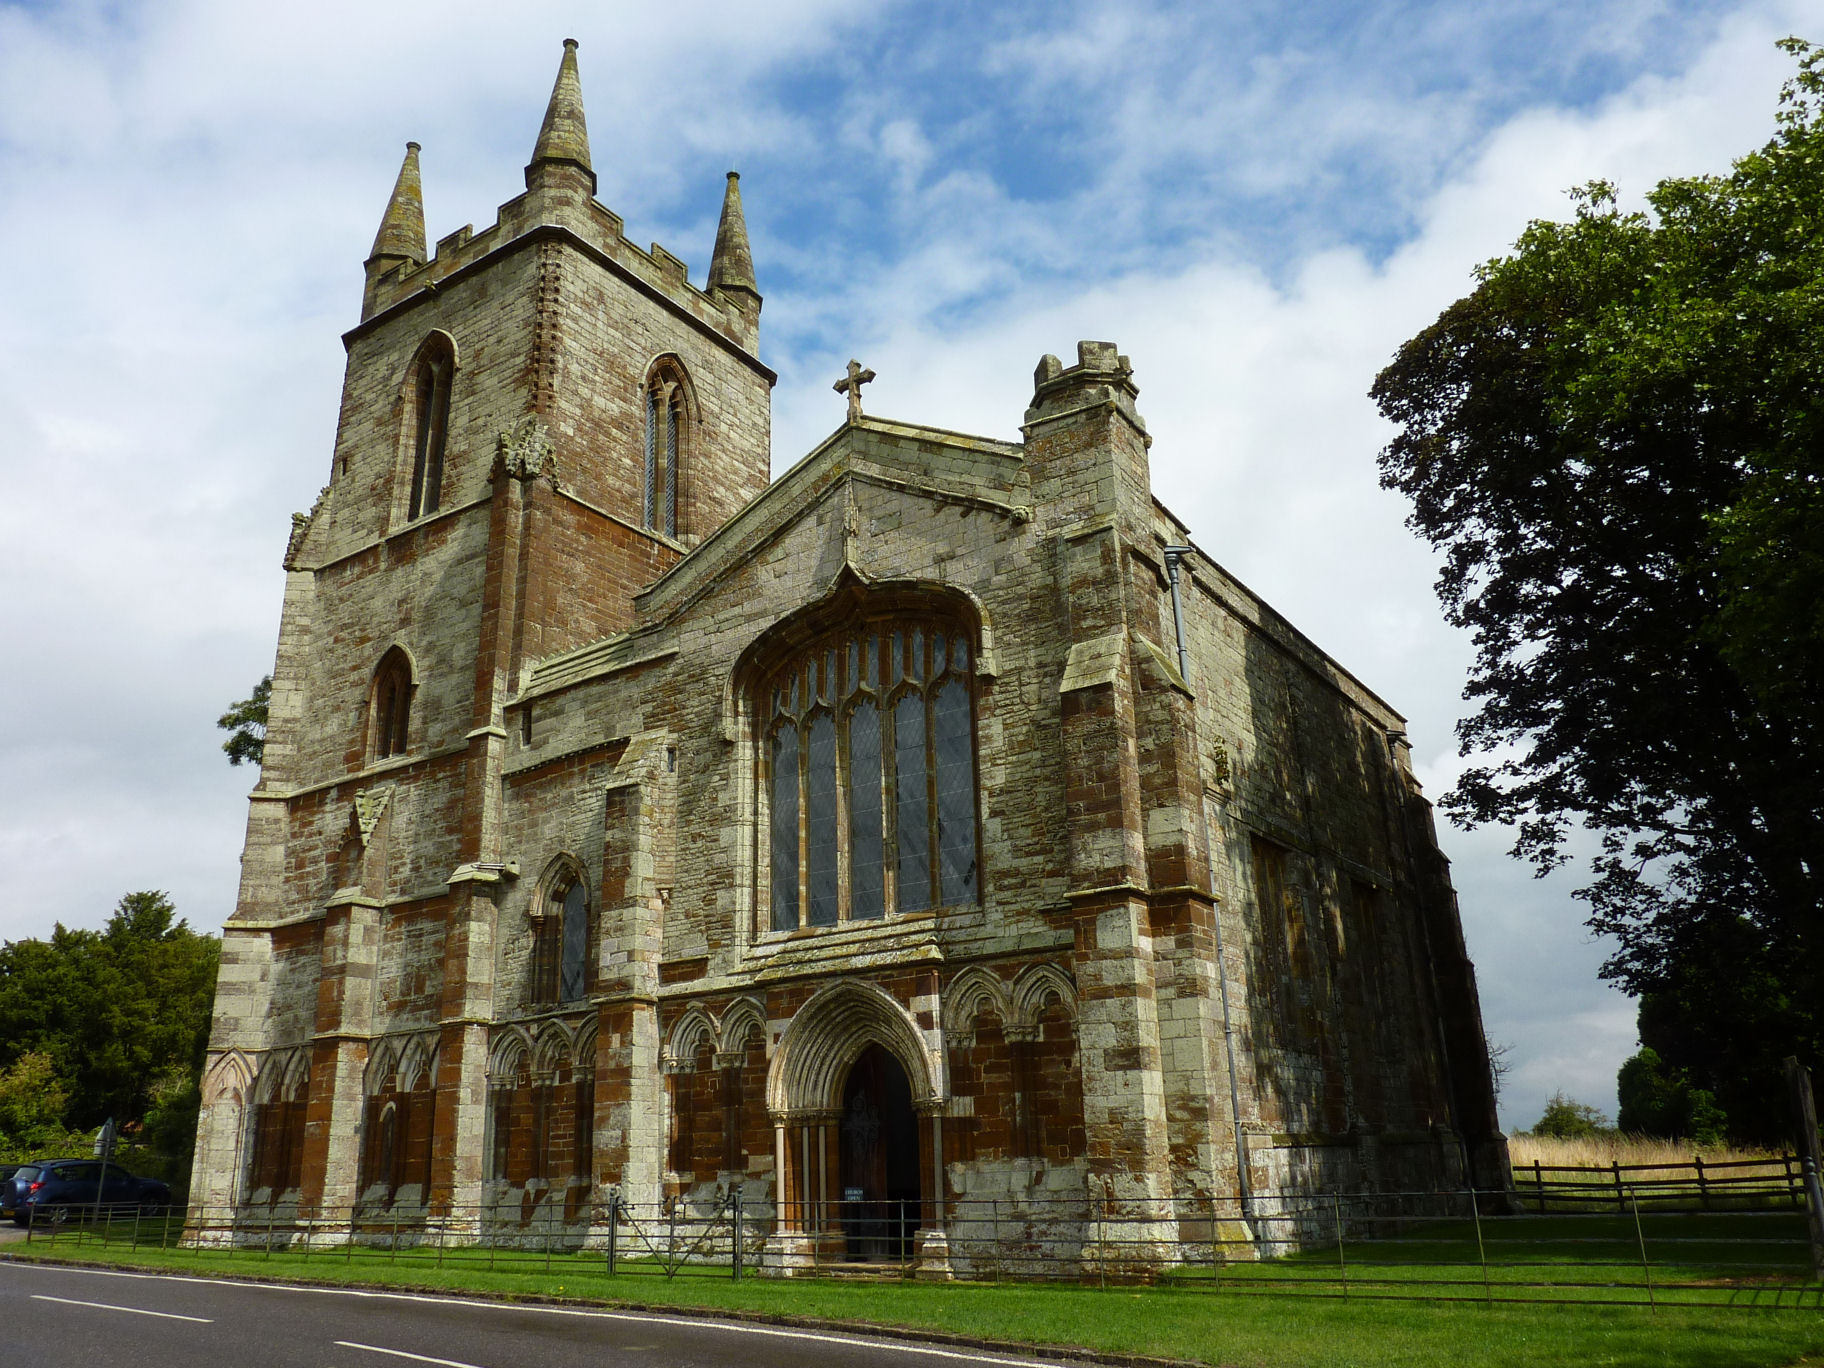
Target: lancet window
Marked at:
392, 704
560, 953
869, 763
665, 428
431, 404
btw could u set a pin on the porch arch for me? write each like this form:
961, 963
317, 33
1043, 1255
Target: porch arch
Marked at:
826, 1036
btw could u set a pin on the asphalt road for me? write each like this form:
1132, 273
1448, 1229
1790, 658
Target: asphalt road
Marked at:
82, 1318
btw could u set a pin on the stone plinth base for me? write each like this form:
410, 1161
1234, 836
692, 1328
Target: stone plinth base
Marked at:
788, 1254
933, 1257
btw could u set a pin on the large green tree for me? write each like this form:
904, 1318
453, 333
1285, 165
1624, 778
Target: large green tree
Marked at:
1617, 441
119, 1017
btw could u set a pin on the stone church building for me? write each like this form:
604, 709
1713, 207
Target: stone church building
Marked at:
932, 825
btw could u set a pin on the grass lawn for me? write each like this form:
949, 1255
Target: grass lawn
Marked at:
1208, 1322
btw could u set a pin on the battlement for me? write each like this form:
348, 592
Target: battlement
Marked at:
598, 228
1102, 375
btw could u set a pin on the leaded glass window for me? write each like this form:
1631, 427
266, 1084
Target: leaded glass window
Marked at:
560, 948
869, 754
664, 441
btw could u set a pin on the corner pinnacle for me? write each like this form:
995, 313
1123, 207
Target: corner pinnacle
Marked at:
731, 266
401, 235
563, 136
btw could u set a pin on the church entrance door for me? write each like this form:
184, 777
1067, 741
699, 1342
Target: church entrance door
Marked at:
880, 1188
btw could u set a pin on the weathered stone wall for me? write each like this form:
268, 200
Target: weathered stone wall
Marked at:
1213, 945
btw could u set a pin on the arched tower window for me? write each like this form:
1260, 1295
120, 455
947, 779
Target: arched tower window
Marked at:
391, 705
665, 428
868, 756
560, 951
431, 405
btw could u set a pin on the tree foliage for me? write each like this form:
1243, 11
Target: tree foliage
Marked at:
106, 1023
1567, 1119
245, 723
32, 1103
1656, 1100
1617, 441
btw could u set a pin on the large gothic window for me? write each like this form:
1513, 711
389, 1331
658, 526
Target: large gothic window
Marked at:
665, 428
868, 739
431, 405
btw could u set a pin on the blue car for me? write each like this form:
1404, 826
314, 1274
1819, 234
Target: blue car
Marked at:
51, 1190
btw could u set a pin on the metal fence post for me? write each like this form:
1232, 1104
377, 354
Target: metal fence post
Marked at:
614, 1226
734, 1213
1640, 1236
1475, 1213
1342, 1263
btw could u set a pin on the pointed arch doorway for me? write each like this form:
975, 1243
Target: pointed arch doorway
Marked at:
879, 1159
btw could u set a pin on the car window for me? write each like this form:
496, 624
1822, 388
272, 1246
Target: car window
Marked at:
79, 1173
29, 1173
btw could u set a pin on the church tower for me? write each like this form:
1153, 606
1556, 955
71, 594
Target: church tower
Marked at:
537, 422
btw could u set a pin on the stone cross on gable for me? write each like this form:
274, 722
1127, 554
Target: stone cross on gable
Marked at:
857, 377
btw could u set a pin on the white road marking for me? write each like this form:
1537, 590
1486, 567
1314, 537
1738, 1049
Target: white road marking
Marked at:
136, 1310
859, 1338
400, 1353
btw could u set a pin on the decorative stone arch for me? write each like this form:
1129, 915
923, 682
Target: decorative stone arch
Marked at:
848, 591
229, 1079
553, 1051
742, 1018
670, 365
585, 1044
511, 1050
826, 1036
281, 1093
969, 993
297, 1076
382, 1063
438, 341
849, 594
416, 1061
693, 1030
1037, 985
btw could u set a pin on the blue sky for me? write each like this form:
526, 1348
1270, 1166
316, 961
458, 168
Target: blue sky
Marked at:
1257, 201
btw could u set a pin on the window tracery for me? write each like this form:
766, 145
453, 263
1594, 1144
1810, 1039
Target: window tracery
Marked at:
665, 426
868, 751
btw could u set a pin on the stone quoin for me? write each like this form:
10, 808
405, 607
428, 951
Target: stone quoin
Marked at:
934, 825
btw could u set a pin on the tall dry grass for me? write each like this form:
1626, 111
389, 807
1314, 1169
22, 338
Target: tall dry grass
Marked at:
1611, 1147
